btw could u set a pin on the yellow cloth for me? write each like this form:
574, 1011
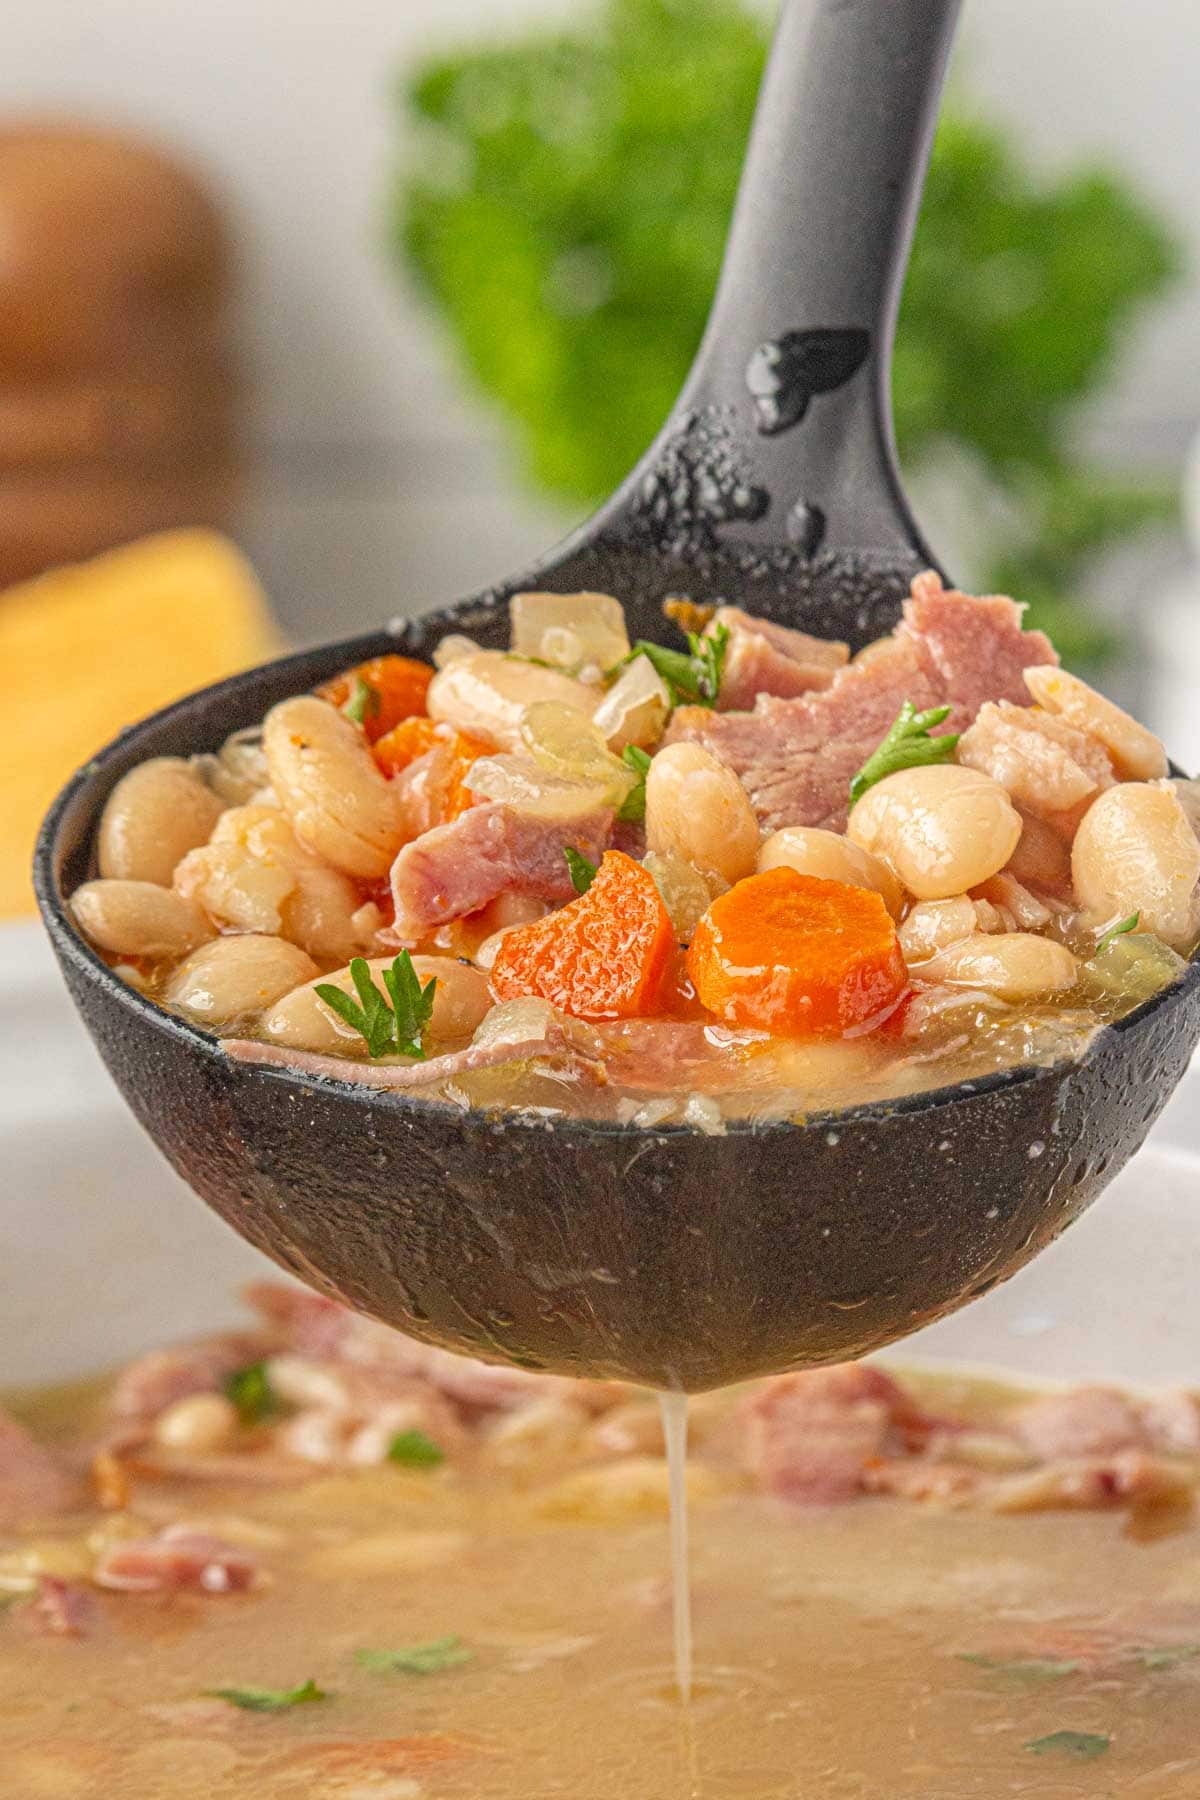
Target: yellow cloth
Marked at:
87, 650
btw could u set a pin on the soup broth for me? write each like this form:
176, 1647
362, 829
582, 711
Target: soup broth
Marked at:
497, 1626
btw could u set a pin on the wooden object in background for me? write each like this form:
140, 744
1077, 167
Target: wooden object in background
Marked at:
118, 392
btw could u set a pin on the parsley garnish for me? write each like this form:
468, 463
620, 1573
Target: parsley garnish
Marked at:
252, 1699
1081, 1744
364, 701
907, 745
251, 1392
633, 808
1118, 930
388, 1030
415, 1450
1030, 1668
1166, 1656
693, 680
583, 872
418, 1659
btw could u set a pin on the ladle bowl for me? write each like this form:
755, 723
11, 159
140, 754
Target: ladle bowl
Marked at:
667, 1256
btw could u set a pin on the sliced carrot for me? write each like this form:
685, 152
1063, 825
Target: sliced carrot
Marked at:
404, 743
607, 955
465, 750
797, 956
398, 682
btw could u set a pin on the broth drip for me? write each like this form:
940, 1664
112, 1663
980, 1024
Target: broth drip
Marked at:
674, 1408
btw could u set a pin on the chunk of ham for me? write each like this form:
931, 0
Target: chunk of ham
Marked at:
147, 1386
32, 1480
489, 850
1050, 769
324, 1331
796, 757
762, 657
1087, 1421
176, 1560
815, 1435
60, 1608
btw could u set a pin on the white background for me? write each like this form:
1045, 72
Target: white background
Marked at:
368, 462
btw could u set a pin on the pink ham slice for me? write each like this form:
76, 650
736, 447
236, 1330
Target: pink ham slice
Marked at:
764, 658
32, 1482
148, 1386
1087, 1422
322, 1329
489, 850
796, 757
60, 1608
813, 1436
553, 1044
178, 1559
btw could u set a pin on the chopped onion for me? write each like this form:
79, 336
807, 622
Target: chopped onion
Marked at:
569, 630
516, 782
635, 708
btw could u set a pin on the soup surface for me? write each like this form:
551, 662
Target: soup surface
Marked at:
755, 878
356, 1569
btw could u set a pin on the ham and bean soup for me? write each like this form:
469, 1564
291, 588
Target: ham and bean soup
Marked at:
314, 1560
754, 877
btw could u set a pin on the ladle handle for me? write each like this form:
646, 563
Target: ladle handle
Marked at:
800, 337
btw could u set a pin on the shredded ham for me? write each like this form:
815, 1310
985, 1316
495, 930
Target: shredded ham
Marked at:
177, 1559
556, 1043
796, 757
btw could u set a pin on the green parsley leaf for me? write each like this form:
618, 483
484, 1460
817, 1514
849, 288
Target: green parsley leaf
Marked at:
1166, 1656
415, 1450
1031, 1668
907, 745
1081, 1744
412, 1005
397, 1029
364, 701
633, 808
693, 680
252, 1699
1118, 930
251, 1392
583, 872
418, 1659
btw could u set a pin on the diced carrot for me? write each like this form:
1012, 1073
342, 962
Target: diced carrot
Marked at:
607, 955
465, 751
797, 956
404, 743
399, 682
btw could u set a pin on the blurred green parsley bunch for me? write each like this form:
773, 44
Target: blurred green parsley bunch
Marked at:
567, 216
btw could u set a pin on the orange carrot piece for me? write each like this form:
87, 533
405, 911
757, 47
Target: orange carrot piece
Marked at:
404, 743
797, 956
400, 683
465, 751
607, 955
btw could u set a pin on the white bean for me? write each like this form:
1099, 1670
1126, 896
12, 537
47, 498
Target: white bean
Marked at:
319, 915
154, 816
933, 924
1137, 755
302, 1021
485, 695
831, 857
236, 977
1136, 852
340, 804
940, 829
697, 809
1015, 966
199, 1423
139, 918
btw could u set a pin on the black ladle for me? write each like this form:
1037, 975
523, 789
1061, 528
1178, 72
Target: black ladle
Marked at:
666, 1256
